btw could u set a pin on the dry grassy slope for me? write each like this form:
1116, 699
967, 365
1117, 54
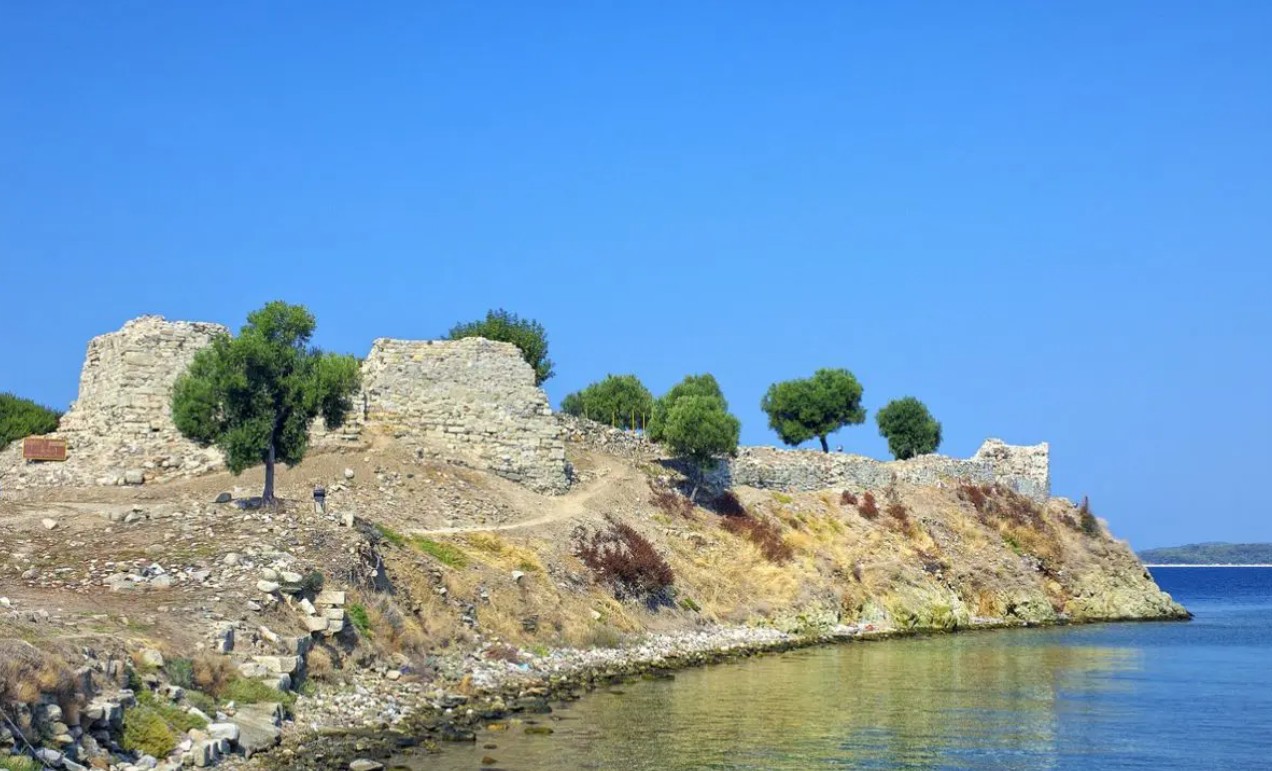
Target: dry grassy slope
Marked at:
944, 565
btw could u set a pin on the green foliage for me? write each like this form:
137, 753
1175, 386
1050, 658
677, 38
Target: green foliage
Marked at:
442, 552
526, 334
1086, 519
391, 535
699, 429
20, 418
146, 731
799, 410
621, 401
177, 719
180, 672
253, 396
909, 428
313, 582
692, 385
244, 691
201, 701
359, 618
20, 763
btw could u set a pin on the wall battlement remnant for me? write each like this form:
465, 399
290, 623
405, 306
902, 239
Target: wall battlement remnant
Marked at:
119, 429
1025, 469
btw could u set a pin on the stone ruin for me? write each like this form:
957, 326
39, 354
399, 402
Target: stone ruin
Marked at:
119, 430
473, 401
1025, 469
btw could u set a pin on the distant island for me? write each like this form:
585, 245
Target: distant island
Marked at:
1210, 554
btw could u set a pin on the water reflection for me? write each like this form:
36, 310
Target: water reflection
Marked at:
963, 701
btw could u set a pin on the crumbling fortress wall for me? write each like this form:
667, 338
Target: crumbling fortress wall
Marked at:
472, 400
120, 430
1025, 469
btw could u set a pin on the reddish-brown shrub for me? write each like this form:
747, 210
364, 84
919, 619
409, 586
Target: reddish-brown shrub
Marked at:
897, 511
846, 498
670, 501
868, 508
727, 503
766, 536
624, 559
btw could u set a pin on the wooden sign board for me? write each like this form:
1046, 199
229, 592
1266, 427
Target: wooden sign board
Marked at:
40, 448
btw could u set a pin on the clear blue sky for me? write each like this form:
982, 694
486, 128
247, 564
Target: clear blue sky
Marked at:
1050, 221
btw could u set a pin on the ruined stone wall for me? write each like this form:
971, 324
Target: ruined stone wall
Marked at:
120, 426
1023, 469
472, 400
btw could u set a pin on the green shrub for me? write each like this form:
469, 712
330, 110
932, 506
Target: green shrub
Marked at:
20, 763
313, 582
442, 552
180, 672
244, 691
1090, 525
201, 701
146, 731
21, 418
358, 617
391, 535
527, 334
177, 718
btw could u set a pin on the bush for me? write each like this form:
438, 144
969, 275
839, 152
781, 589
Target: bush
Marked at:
313, 582
527, 334
212, 673
868, 508
20, 418
897, 511
358, 617
766, 536
670, 501
442, 552
244, 691
146, 732
621, 401
846, 498
177, 719
625, 560
201, 701
20, 763
180, 672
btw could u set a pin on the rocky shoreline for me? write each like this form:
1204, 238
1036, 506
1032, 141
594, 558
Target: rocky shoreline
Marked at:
405, 715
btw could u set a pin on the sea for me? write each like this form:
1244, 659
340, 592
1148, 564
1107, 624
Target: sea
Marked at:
1151, 695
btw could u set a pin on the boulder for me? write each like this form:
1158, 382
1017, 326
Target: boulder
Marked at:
258, 727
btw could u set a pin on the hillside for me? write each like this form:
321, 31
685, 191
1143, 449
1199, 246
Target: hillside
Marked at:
1210, 554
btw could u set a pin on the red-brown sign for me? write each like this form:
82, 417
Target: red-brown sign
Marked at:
40, 448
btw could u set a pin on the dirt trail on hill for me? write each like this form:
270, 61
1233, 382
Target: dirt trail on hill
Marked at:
607, 475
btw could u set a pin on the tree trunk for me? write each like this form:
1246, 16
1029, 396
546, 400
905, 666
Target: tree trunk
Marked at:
267, 497
825, 447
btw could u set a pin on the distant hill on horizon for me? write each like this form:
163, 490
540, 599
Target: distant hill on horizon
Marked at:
1213, 553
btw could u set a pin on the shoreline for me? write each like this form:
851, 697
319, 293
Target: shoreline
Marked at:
508, 693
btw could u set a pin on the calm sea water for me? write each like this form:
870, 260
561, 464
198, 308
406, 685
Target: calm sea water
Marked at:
1194, 695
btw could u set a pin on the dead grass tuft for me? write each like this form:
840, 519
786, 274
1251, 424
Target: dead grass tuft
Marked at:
766, 536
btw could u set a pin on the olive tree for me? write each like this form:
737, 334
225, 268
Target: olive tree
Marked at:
692, 385
799, 410
909, 428
503, 326
621, 401
254, 396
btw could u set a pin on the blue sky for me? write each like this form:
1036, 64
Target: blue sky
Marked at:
1050, 221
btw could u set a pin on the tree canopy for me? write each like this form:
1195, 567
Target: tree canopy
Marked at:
254, 396
503, 326
799, 410
699, 429
692, 385
909, 428
621, 401
20, 418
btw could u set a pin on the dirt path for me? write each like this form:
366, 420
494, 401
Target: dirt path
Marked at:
609, 475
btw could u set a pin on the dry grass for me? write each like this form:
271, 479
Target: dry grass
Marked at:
212, 673
27, 674
764, 535
493, 550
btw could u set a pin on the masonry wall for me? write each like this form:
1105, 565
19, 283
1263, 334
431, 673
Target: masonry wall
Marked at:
120, 426
473, 400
